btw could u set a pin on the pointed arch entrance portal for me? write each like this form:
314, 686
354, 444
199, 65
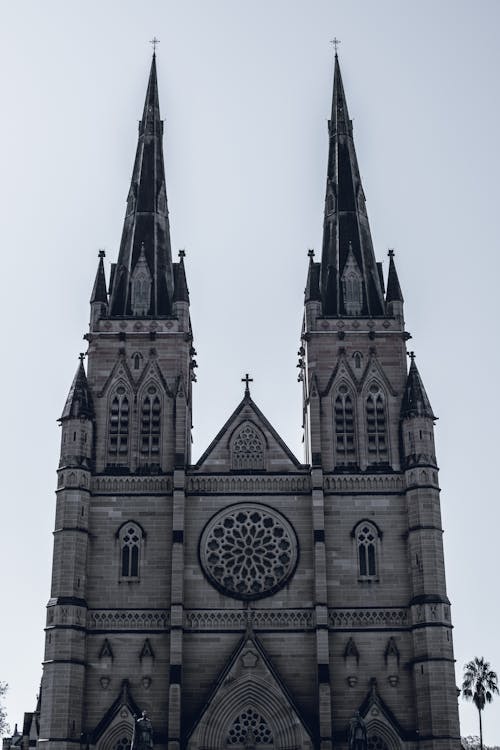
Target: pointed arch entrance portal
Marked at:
249, 708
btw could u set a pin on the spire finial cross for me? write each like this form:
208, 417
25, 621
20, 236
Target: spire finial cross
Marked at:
247, 380
390, 252
102, 253
182, 253
81, 357
335, 43
154, 42
411, 355
310, 253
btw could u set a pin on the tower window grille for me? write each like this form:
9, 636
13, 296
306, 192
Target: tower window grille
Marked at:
353, 293
118, 426
376, 424
345, 449
366, 539
150, 426
130, 549
247, 450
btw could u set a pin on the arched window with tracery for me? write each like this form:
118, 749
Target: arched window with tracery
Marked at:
247, 449
130, 550
118, 430
345, 447
250, 729
375, 742
376, 425
366, 536
150, 426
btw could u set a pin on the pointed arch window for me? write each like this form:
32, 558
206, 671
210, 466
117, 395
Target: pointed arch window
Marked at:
376, 424
130, 550
150, 426
118, 432
247, 449
366, 536
345, 447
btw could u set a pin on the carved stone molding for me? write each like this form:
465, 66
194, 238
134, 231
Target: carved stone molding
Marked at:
357, 483
236, 619
131, 619
235, 484
102, 484
376, 617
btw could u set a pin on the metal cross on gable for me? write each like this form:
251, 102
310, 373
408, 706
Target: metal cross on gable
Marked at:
247, 380
154, 41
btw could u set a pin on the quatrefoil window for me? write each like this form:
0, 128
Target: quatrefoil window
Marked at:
248, 551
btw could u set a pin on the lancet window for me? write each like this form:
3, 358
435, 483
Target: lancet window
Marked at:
376, 423
130, 547
345, 448
150, 425
247, 449
366, 541
118, 426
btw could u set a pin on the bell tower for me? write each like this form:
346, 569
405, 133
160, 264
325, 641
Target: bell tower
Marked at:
126, 441
369, 437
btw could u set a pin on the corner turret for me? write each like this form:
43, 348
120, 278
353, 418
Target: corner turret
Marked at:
77, 422
394, 298
417, 421
99, 296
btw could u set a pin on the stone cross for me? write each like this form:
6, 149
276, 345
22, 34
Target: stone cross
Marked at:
247, 380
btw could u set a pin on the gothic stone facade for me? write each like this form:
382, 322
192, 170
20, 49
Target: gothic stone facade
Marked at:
248, 599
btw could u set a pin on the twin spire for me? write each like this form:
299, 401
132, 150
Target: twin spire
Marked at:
146, 230
350, 279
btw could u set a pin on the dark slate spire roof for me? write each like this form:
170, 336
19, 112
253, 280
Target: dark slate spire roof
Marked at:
415, 400
181, 291
79, 401
394, 293
146, 220
99, 292
346, 222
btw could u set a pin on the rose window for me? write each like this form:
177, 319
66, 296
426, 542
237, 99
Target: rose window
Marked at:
250, 728
248, 551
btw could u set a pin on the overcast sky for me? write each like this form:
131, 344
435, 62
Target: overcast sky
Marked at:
245, 89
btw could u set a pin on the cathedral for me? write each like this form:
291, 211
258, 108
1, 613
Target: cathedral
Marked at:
248, 599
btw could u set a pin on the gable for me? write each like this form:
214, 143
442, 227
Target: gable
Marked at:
249, 700
248, 443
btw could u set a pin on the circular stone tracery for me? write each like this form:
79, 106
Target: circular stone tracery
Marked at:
248, 551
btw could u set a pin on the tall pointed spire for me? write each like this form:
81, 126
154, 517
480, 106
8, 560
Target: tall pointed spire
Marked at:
350, 283
146, 220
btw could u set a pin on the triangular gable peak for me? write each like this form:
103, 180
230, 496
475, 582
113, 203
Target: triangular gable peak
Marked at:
380, 721
248, 443
117, 724
249, 704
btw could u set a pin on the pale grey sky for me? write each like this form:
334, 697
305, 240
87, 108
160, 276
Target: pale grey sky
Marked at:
245, 91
